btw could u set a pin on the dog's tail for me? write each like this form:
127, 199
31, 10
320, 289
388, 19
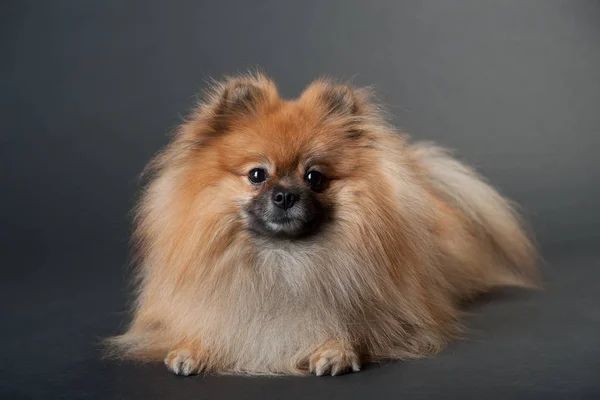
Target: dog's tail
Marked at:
510, 252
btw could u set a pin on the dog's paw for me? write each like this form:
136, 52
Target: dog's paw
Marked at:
185, 362
335, 359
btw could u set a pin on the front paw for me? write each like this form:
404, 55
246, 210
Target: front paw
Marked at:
184, 361
333, 358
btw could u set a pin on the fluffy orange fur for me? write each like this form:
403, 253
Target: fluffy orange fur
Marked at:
413, 233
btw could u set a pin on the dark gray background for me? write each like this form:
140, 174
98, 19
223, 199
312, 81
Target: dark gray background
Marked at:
89, 91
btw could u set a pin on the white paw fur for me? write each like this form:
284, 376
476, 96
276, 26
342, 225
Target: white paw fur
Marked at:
334, 361
182, 362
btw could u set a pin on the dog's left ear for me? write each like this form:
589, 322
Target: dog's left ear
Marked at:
335, 99
338, 103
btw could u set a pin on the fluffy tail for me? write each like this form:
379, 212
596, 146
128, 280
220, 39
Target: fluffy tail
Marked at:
496, 224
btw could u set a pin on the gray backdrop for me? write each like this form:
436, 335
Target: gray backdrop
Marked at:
89, 91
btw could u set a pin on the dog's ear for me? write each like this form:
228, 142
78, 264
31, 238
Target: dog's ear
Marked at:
230, 100
338, 103
331, 98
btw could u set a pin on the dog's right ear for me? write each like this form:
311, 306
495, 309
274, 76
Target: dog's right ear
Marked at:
230, 100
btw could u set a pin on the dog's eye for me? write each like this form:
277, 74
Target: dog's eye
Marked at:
257, 175
315, 180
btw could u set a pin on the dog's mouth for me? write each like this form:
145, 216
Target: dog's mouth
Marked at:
281, 227
265, 218
286, 224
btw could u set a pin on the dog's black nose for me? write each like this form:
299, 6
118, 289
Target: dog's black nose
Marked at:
284, 198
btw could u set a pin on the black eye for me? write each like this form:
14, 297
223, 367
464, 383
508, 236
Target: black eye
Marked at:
315, 180
257, 175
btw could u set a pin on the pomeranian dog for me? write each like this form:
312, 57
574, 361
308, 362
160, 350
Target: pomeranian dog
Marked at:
309, 236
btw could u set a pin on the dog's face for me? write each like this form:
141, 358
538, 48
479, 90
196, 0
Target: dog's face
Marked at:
288, 170
288, 160
286, 203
